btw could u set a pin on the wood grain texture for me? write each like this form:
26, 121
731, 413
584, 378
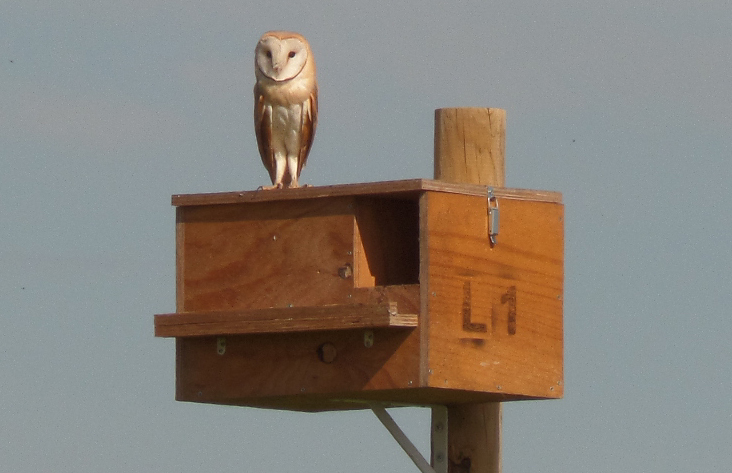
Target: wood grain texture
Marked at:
495, 312
472, 427
424, 293
280, 320
179, 259
264, 255
410, 188
261, 366
269, 369
253, 266
247, 268
470, 145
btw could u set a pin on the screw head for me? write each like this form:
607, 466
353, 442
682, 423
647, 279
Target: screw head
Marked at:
368, 338
345, 271
327, 352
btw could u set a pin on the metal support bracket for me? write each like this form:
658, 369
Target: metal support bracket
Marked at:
439, 439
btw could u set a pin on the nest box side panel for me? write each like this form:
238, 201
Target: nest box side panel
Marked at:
264, 254
495, 312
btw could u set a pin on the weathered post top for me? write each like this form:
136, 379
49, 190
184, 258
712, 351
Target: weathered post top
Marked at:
470, 146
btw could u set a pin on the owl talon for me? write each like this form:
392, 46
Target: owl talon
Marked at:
269, 188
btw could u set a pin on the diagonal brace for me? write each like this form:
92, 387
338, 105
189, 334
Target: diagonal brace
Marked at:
439, 439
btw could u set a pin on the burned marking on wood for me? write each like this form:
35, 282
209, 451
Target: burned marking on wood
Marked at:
468, 325
509, 297
474, 342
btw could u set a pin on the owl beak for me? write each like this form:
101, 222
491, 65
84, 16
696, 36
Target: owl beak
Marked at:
277, 68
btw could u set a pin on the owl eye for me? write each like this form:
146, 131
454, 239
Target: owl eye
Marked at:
291, 55
269, 54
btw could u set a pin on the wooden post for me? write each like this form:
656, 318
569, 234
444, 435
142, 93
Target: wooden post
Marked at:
470, 146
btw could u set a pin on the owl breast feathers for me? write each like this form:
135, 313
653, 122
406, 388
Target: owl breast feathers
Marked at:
285, 104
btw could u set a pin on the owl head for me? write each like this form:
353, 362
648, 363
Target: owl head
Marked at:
282, 55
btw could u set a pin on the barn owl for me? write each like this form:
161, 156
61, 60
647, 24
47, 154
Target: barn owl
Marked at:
285, 105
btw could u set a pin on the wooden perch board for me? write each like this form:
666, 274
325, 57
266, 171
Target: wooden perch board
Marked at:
282, 320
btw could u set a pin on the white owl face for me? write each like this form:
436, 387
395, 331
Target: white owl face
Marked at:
280, 59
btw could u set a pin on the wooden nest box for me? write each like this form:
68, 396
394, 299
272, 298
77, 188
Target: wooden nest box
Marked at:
326, 298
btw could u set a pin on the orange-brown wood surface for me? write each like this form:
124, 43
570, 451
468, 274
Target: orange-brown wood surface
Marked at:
408, 188
294, 284
290, 319
470, 145
474, 433
494, 312
470, 148
263, 255
276, 365
274, 368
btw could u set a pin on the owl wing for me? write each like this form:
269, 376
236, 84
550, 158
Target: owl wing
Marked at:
263, 130
309, 122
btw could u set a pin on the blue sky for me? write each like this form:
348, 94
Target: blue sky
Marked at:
108, 108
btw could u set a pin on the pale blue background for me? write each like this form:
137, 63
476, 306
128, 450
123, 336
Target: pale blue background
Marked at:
108, 108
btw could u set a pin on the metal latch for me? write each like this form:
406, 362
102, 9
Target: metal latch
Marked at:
494, 216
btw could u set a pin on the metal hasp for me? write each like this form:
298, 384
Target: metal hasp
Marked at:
494, 216
439, 439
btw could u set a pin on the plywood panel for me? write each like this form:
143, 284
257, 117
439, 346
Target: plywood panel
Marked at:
268, 254
272, 365
495, 313
408, 188
280, 320
405, 296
